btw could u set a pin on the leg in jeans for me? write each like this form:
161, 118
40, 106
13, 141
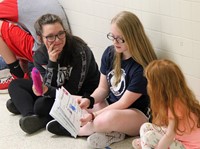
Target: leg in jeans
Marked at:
3, 64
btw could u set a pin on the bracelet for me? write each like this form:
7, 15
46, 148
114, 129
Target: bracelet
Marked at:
91, 99
93, 115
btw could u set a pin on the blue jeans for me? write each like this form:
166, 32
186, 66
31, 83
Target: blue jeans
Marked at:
3, 64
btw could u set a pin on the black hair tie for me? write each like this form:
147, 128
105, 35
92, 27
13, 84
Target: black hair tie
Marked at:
91, 99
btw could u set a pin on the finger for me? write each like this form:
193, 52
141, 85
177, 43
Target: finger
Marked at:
33, 87
81, 105
50, 49
78, 101
82, 120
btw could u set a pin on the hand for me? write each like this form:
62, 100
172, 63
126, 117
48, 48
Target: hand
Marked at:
53, 52
35, 91
87, 118
83, 103
44, 88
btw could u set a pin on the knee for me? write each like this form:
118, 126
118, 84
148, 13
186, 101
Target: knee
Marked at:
13, 85
145, 127
150, 139
105, 120
43, 106
39, 106
148, 136
18, 84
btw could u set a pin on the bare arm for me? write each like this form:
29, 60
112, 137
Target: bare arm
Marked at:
168, 138
101, 92
125, 101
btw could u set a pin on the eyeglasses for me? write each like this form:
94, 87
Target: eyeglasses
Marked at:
52, 38
110, 36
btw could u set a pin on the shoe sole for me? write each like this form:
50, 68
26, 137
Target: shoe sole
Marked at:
30, 124
4, 91
48, 124
56, 131
11, 107
102, 140
4, 76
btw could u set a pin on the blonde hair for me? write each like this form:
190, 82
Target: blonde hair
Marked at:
137, 42
166, 84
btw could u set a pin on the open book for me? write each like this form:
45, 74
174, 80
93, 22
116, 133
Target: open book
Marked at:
66, 111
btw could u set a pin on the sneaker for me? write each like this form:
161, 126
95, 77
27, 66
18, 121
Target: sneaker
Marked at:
5, 81
102, 140
136, 144
54, 127
4, 73
11, 107
33, 123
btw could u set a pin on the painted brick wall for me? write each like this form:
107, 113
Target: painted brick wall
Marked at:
173, 27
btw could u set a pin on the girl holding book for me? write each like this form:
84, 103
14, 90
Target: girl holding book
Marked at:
120, 104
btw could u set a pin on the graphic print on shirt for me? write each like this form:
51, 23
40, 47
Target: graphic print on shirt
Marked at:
63, 73
118, 89
83, 69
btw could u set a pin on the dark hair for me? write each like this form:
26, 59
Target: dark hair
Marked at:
71, 41
46, 19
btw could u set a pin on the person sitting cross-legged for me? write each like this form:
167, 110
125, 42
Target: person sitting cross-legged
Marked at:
121, 103
63, 60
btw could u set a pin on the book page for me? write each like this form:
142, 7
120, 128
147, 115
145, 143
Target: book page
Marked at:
67, 111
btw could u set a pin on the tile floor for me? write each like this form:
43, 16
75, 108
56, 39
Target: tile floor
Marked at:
12, 137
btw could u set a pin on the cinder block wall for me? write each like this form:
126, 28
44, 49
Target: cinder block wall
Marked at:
173, 27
